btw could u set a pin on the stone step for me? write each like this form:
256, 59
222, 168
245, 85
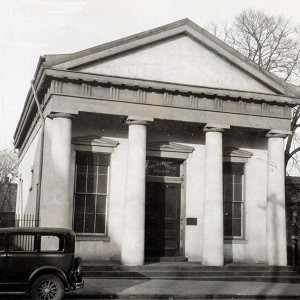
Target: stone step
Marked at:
193, 271
172, 267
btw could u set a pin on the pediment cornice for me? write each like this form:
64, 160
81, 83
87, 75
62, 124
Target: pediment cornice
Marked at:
236, 152
169, 146
94, 141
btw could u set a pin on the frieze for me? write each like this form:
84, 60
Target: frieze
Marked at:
163, 98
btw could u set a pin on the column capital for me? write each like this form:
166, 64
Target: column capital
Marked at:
61, 115
209, 127
137, 120
273, 133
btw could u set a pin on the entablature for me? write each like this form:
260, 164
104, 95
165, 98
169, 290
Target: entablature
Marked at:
170, 95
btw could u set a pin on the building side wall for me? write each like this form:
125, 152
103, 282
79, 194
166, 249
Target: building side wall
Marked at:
29, 176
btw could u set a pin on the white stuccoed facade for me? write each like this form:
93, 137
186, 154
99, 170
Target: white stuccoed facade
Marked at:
171, 95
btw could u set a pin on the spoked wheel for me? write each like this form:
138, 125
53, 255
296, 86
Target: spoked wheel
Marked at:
47, 287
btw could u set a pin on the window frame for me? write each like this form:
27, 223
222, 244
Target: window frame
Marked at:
242, 209
101, 194
95, 144
237, 156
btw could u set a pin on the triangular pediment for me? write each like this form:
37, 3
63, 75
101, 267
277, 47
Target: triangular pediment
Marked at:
179, 53
180, 60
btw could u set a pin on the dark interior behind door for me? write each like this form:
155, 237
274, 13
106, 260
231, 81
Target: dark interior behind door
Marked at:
162, 232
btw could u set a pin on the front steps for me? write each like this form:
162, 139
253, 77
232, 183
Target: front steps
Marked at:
192, 271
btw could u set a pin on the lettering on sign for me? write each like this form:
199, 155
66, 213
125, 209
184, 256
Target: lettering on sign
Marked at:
163, 168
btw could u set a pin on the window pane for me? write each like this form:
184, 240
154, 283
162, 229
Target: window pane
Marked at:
237, 228
91, 183
90, 204
81, 158
100, 223
238, 192
102, 160
79, 203
102, 184
81, 169
81, 183
228, 192
78, 222
89, 223
227, 210
238, 178
228, 178
102, 170
237, 210
227, 227
49, 243
233, 168
101, 204
2, 242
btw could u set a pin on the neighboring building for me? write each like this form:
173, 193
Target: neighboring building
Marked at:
140, 137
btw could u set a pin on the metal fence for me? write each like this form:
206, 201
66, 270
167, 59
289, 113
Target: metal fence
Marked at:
10, 219
27, 220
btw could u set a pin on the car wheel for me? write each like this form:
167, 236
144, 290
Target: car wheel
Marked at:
47, 287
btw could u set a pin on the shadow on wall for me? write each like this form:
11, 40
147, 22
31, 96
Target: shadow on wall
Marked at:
275, 254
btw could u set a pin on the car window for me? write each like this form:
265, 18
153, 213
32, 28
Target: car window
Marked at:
22, 242
2, 242
51, 243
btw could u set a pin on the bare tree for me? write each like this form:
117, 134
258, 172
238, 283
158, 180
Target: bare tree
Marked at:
272, 42
8, 178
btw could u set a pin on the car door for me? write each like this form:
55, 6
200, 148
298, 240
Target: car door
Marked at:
21, 260
3, 260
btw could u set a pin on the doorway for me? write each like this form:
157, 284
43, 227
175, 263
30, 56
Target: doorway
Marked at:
162, 217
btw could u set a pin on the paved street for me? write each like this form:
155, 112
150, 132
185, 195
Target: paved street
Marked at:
180, 289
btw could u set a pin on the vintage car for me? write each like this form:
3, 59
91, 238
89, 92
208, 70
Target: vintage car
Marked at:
39, 261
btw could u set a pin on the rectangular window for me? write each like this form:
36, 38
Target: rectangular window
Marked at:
233, 190
51, 243
91, 192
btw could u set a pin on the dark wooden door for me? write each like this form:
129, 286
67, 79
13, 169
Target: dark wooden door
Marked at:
162, 232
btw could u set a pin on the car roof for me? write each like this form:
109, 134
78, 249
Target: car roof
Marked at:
37, 230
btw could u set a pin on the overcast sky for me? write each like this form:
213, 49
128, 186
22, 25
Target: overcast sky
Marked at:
31, 28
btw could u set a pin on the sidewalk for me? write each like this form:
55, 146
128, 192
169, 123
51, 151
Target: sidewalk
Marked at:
97, 288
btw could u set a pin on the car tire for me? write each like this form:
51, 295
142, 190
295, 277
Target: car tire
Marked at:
48, 287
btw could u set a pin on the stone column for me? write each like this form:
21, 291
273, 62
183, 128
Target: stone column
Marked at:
132, 252
213, 240
60, 203
276, 221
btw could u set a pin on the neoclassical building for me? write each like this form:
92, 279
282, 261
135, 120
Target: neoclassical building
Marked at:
164, 144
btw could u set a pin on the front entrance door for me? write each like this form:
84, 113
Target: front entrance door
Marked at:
162, 232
